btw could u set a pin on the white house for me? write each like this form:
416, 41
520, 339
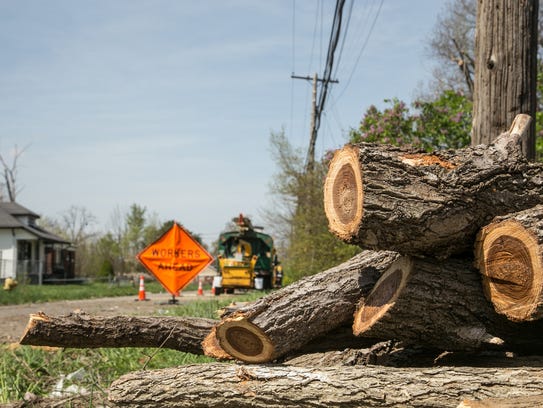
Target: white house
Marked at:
28, 252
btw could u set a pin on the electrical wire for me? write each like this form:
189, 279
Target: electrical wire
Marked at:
291, 130
347, 24
312, 54
326, 78
361, 50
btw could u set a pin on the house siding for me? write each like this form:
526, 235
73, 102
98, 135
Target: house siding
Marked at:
8, 251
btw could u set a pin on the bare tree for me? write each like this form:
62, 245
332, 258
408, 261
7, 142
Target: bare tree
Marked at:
76, 222
10, 174
452, 45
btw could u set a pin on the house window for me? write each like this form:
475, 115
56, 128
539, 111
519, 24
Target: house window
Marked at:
24, 250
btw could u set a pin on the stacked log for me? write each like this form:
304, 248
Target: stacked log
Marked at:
81, 330
440, 304
509, 255
419, 280
479, 202
234, 385
452, 260
427, 204
286, 320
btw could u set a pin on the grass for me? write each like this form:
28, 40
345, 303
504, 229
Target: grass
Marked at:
39, 369
48, 293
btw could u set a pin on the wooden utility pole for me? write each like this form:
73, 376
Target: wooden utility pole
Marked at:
505, 68
310, 161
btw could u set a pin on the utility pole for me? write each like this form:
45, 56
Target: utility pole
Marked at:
312, 134
310, 161
506, 37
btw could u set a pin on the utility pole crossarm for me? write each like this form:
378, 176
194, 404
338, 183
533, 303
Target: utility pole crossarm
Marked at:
314, 118
308, 78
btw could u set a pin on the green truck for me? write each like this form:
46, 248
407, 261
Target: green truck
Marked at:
246, 259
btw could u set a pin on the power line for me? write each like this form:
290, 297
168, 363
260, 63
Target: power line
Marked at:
326, 80
293, 65
347, 24
332, 45
361, 50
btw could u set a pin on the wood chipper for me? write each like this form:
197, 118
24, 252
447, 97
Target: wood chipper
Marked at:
246, 259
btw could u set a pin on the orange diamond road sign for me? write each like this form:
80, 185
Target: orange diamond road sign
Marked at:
175, 258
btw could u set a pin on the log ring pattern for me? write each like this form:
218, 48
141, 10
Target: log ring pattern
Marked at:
244, 341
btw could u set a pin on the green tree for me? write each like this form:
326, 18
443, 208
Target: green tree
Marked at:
299, 223
107, 255
394, 125
439, 124
445, 122
133, 239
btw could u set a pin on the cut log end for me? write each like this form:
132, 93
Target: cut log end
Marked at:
212, 348
34, 319
510, 261
343, 193
244, 341
383, 296
521, 125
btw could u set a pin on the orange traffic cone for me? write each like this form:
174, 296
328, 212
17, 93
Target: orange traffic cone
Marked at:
200, 289
141, 294
213, 290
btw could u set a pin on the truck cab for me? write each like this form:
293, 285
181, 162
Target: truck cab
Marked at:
247, 258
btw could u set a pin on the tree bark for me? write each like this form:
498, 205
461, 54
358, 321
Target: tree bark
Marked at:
80, 330
385, 197
441, 305
532, 401
191, 335
505, 68
381, 353
231, 385
509, 255
286, 320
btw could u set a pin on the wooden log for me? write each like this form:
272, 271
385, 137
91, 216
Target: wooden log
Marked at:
381, 353
532, 401
509, 256
270, 386
284, 321
416, 203
340, 338
188, 334
80, 330
440, 304
212, 348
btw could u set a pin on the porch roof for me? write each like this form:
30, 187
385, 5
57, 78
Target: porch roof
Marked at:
45, 235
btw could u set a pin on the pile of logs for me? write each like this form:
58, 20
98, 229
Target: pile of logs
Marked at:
451, 261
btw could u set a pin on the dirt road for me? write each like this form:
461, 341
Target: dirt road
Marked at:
13, 319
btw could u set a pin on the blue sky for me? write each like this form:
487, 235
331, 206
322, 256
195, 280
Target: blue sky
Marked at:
170, 104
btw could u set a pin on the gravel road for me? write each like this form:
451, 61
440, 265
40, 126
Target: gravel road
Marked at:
13, 318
